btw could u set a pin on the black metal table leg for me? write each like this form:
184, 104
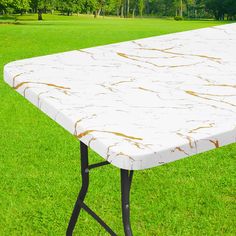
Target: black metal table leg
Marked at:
126, 180
83, 190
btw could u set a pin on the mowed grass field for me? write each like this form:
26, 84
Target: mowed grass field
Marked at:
40, 164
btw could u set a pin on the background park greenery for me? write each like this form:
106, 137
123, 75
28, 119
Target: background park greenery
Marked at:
39, 160
219, 9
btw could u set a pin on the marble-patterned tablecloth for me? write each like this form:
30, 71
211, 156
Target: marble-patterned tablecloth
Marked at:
141, 103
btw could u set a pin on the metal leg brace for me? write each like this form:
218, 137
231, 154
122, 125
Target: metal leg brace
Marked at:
126, 179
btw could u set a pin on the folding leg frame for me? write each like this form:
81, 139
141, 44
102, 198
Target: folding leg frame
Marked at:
126, 179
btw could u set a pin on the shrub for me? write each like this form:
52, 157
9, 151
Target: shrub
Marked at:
178, 18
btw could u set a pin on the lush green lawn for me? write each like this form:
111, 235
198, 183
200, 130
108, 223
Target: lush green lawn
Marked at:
39, 160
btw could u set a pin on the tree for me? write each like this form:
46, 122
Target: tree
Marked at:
178, 7
41, 6
230, 9
217, 7
140, 7
68, 6
21, 5
4, 4
220, 9
181, 8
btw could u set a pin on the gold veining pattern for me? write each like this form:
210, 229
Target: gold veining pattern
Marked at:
87, 132
141, 103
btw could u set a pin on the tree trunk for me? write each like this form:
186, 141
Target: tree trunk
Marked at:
117, 11
147, 7
95, 13
99, 12
124, 7
181, 8
165, 11
122, 11
133, 13
217, 16
127, 9
40, 14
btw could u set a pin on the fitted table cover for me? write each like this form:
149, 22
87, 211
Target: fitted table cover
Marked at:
140, 103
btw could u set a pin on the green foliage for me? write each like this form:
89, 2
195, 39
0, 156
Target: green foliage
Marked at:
221, 8
21, 5
42, 4
126, 8
5, 4
68, 6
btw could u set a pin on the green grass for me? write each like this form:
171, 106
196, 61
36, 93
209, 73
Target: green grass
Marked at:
39, 160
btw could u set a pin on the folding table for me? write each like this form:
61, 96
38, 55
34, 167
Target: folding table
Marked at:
138, 104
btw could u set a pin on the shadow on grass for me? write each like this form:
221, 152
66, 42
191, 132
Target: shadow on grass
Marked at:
8, 19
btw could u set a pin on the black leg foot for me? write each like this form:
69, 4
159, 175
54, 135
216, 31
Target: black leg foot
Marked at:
126, 179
